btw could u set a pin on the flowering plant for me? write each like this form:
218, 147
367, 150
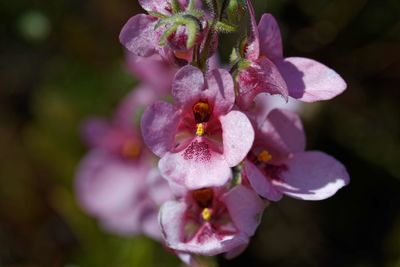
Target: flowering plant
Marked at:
221, 160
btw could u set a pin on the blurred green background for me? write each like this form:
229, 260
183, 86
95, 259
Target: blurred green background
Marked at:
61, 61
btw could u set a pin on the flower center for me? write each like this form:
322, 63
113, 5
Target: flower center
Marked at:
274, 172
200, 129
264, 156
202, 112
206, 214
130, 149
203, 197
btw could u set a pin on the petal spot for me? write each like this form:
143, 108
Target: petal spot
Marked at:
199, 151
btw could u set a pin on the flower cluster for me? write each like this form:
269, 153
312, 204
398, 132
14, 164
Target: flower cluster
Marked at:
221, 160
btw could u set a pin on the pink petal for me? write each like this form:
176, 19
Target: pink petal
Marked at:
138, 35
107, 185
195, 173
125, 222
235, 252
214, 244
253, 48
261, 77
220, 90
186, 258
149, 223
237, 136
171, 219
129, 109
270, 38
159, 125
280, 134
155, 71
94, 130
190, 86
245, 208
312, 176
172, 224
309, 80
208, 241
158, 188
187, 85
289, 127
264, 104
160, 6
213, 62
260, 183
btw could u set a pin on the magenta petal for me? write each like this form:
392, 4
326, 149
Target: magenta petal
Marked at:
237, 135
160, 6
159, 125
253, 48
264, 104
150, 225
94, 130
288, 126
235, 252
187, 85
154, 71
135, 102
221, 90
125, 222
138, 35
245, 208
186, 258
106, 185
214, 62
261, 77
260, 183
192, 173
171, 219
172, 223
280, 134
158, 189
309, 80
190, 86
312, 175
270, 38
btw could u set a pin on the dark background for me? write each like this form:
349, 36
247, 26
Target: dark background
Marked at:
61, 61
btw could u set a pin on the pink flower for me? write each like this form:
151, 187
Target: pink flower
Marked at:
269, 72
277, 164
210, 221
143, 36
156, 73
200, 137
153, 70
116, 179
129, 111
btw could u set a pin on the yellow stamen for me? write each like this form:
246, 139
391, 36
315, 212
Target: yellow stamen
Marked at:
206, 214
264, 156
130, 150
200, 129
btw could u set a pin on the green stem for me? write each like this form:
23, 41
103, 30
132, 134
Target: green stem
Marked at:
210, 35
206, 49
191, 5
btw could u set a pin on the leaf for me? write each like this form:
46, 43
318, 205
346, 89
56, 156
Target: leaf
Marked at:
225, 27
